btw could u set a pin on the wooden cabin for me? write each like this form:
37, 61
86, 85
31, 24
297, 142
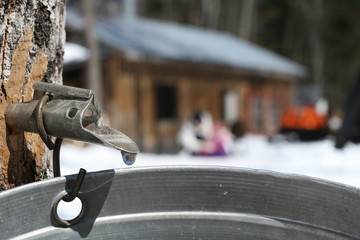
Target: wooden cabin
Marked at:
158, 73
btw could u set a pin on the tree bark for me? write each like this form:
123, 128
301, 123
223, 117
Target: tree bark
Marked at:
31, 49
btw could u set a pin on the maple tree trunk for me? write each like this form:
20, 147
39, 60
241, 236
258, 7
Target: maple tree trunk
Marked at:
31, 49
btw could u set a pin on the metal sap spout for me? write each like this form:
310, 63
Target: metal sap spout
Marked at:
70, 113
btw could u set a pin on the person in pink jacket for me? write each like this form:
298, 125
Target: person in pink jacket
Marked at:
200, 136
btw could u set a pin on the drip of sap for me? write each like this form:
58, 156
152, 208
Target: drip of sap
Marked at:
128, 158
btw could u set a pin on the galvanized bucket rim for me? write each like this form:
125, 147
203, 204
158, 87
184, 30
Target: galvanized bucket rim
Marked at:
193, 192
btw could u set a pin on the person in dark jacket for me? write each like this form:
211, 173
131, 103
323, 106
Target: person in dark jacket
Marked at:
350, 129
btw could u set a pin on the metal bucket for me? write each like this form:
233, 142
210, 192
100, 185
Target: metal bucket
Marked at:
185, 203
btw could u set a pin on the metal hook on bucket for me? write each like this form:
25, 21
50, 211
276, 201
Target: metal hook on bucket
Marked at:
76, 188
69, 197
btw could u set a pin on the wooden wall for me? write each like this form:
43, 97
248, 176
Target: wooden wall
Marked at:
130, 97
269, 91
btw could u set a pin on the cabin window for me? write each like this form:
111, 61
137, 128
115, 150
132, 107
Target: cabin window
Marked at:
275, 113
257, 114
166, 102
230, 106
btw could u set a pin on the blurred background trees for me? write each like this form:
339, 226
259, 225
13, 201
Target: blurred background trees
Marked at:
322, 35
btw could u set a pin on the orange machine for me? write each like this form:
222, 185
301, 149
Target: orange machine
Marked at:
304, 121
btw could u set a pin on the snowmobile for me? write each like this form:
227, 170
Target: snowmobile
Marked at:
303, 123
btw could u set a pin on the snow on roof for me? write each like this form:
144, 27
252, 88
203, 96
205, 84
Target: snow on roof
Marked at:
174, 41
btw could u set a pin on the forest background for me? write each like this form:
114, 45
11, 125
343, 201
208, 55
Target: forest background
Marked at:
324, 36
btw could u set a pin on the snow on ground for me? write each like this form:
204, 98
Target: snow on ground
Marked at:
317, 159
75, 53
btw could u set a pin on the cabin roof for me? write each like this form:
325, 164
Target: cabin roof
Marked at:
173, 41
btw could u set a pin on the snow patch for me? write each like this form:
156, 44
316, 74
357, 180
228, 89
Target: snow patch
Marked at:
317, 159
75, 53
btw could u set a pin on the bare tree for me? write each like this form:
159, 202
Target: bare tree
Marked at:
93, 67
210, 13
231, 16
31, 49
313, 14
248, 8
168, 12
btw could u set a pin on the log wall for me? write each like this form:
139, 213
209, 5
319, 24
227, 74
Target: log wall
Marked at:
131, 94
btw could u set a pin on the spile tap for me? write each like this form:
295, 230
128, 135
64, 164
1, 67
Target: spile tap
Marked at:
67, 113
